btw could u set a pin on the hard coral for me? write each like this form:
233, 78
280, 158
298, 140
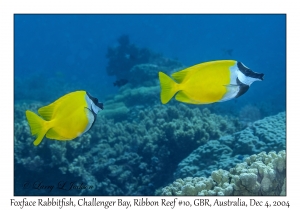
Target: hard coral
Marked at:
262, 174
137, 65
265, 135
143, 150
123, 57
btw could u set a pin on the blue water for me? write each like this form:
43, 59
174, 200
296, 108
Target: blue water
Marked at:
73, 47
57, 54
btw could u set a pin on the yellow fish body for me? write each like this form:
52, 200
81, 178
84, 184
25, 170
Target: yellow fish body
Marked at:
208, 82
66, 118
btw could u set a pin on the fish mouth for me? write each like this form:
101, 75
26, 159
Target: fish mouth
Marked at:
260, 76
249, 73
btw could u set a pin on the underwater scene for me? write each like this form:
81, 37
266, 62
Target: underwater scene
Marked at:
149, 105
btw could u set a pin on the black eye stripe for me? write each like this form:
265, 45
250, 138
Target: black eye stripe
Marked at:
95, 100
248, 72
243, 69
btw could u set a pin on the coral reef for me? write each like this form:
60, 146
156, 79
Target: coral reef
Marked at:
249, 114
137, 144
261, 174
123, 57
140, 142
137, 65
117, 111
139, 96
267, 135
207, 158
42, 87
142, 151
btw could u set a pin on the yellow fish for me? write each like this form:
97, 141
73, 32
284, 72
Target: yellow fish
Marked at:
66, 118
208, 82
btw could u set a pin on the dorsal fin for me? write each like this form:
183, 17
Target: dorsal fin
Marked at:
47, 111
179, 76
186, 73
53, 134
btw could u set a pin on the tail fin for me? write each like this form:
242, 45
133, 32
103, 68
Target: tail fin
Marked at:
37, 125
168, 87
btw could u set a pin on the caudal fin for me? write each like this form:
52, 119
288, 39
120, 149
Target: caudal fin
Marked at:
38, 126
168, 87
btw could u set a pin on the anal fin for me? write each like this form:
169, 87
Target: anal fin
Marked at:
53, 134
